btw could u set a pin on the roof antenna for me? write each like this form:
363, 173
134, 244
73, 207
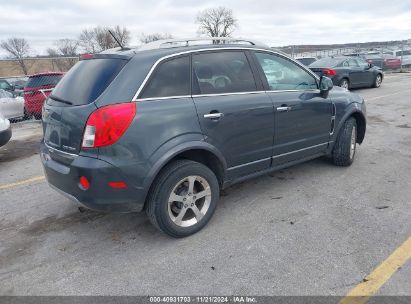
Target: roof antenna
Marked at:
114, 37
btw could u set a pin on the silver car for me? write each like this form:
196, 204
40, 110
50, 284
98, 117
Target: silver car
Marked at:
12, 107
5, 130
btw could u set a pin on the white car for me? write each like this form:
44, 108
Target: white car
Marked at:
5, 130
406, 56
10, 106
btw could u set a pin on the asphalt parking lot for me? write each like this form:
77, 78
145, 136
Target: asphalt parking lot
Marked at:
313, 229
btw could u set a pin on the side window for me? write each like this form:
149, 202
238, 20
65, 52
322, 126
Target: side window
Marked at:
4, 85
171, 78
362, 63
222, 72
345, 63
353, 63
283, 74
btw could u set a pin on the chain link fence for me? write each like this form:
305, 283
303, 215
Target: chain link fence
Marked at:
22, 97
388, 56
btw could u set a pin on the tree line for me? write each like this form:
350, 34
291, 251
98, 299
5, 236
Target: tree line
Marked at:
212, 22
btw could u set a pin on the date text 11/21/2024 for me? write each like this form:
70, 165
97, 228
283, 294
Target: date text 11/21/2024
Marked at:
202, 299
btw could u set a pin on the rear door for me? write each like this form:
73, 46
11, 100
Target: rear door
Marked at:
302, 116
67, 109
356, 73
234, 112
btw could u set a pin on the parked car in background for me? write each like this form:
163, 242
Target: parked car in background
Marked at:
348, 72
405, 56
391, 62
5, 130
306, 60
11, 106
18, 83
375, 59
37, 88
163, 129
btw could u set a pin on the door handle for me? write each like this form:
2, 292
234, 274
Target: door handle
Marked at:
283, 109
213, 115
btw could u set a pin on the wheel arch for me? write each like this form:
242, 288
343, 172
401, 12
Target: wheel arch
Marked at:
201, 152
360, 121
361, 125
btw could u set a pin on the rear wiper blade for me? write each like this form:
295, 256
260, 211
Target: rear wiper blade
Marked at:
60, 100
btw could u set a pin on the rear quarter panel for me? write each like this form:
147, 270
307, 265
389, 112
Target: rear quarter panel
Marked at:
159, 126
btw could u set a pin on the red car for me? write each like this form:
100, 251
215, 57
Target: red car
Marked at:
391, 62
37, 88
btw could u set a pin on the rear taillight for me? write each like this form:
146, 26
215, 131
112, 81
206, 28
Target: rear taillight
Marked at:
107, 124
329, 72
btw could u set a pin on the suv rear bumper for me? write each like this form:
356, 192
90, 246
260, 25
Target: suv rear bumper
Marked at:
64, 177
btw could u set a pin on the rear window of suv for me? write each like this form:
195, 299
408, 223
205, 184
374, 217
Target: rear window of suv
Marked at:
87, 79
43, 80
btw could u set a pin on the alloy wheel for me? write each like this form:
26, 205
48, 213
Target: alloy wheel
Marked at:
189, 201
353, 142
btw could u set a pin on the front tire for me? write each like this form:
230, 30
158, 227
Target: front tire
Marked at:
183, 198
346, 144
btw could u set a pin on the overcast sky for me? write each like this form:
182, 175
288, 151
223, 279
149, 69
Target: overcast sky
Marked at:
273, 22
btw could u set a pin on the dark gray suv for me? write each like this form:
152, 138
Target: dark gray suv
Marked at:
163, 128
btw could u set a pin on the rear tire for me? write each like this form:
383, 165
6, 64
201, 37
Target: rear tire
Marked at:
183, 198
345, 146
344, 83
377, 81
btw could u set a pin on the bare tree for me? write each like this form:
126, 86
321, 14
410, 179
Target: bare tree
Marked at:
216, 22
122, 34
65, 54
146, 38
55, 62
18, 48
98, 39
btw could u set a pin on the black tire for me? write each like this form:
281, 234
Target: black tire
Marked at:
37, 116
157, 206
342, 153
27, 115
377, 81
344, 83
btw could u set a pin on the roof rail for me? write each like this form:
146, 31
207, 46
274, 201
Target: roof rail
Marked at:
170, 43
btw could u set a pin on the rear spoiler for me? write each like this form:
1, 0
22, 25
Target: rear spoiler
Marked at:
104, 56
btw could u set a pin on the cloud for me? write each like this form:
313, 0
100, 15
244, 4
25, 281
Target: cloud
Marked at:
274, 22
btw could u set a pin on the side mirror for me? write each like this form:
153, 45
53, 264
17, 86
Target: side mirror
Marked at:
326, 84
370, 65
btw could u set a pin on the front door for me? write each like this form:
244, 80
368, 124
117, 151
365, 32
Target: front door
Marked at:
234, 115
302, 115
